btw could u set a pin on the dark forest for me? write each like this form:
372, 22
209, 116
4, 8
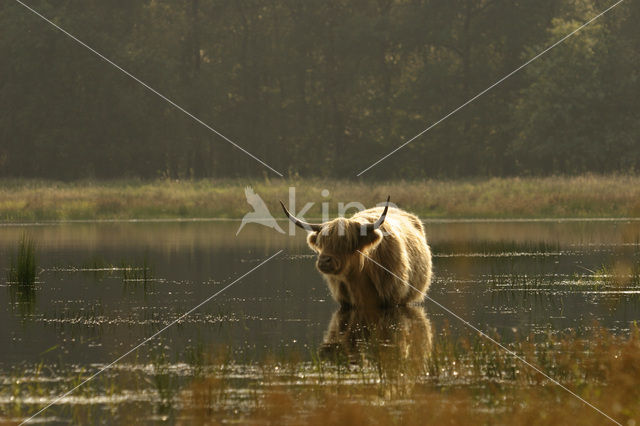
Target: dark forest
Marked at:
318, 88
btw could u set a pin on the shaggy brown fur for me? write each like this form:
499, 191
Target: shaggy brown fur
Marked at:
399, 244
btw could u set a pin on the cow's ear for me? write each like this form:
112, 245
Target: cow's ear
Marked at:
311, 239
370, 240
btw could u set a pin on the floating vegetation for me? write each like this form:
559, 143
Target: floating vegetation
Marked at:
466, 376
96, 263
136, 272
496, 249
461, 378
542, 272
622, 271
379, 376
98, 267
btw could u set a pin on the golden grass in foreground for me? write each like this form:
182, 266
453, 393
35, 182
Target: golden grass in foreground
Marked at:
460, 381
463, 382
583, 196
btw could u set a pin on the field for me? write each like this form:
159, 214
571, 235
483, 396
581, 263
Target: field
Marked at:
553, 197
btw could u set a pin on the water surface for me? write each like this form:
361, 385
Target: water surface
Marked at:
105, 287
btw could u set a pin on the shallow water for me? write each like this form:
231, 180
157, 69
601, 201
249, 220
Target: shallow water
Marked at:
94, 301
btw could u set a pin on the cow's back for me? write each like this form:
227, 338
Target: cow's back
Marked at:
403, 251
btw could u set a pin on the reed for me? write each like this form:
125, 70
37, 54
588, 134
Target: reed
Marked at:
463, 379
22, 271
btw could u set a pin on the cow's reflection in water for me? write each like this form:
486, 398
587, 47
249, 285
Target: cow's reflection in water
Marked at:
394, 340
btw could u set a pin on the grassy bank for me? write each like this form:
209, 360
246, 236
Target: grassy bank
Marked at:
583, 196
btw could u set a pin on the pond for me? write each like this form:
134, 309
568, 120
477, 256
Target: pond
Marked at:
103, 287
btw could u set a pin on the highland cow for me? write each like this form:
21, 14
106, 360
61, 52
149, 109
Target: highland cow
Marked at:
347, 248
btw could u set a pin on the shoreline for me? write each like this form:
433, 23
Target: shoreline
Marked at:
586, 197
234, 220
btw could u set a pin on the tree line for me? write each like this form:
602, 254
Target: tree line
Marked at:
318, 88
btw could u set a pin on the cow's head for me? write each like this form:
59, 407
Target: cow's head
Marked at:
339, 241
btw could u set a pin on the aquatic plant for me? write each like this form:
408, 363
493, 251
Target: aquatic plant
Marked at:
21, 277
132, 272
22, 270
462, 377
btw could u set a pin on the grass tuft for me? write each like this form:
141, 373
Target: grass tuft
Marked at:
21, 277
22, 271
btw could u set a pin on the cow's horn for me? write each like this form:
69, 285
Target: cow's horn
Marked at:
373, 226
302, 224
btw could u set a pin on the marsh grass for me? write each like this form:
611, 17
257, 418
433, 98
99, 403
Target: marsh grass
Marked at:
136, 272
622, 271
580, 196
537, 272
21, 277
464, 377
165, 384
97, 266
496, 249
22, 270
